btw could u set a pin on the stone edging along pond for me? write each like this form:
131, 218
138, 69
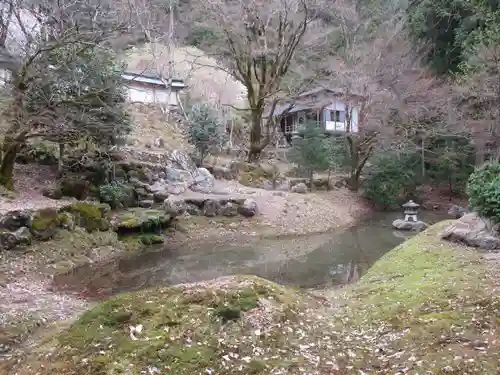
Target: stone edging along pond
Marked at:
20, 228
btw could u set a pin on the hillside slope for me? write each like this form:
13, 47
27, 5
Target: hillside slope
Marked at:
205, 80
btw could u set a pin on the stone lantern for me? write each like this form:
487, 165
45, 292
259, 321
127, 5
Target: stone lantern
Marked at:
411, 211
410, 221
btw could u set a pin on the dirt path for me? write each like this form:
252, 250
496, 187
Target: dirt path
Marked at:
282, 212
29, 182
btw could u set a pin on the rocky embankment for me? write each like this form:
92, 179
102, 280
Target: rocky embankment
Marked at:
427, 307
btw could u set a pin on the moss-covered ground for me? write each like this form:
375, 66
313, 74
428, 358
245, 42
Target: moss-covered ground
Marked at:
427, 307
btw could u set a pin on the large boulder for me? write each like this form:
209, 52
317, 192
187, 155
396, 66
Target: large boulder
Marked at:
300, 188
44, 223
457, 212
173, 175
414, 226
229, 209
75, 186
473, 231
90, 216
137, 220
174, 206
14, 220
181, 160
10, 240
177, 187
211, 208
203, 182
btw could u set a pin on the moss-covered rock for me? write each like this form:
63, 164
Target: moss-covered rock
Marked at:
53, 192
44, 223
91, 216
151, 239
75, 186
139, 220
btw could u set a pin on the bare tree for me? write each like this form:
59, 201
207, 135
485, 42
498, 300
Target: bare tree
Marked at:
378, 74
480, 99
268, 47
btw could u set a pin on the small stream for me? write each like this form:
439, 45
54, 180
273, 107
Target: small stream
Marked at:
311, 261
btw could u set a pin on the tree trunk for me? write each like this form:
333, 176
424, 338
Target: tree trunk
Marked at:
257, 143
10, 148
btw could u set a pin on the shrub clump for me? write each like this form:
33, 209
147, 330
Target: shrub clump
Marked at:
116, 194
391, 181
483, 189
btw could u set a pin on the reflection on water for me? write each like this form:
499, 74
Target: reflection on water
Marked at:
312, 261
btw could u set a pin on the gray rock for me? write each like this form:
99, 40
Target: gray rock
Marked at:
146, 203
248, 208
158, 186
203, 182
193, 209
136, 183
211, 208
473, 231
9, 240
229, 209
13, 220
300, 188
160, 196
267, 185
174, 206
176, 188
172, 174
223, 173
141, 192
23, 236
457, 212
182, 161
415, 226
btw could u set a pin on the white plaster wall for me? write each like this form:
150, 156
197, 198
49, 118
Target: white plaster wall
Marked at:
143, 94
339, 105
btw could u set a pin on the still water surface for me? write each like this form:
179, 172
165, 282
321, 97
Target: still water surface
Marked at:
312, 261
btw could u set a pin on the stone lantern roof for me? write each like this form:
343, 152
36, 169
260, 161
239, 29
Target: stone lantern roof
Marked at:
411, 204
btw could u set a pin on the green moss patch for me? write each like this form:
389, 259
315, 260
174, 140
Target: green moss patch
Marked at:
90, 216
234, 325
44, 223
139, 220
428, 306
68, 249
